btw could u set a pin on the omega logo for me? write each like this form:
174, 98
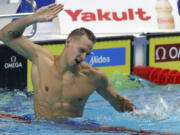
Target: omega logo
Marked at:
157, 53
13, 59
167, 53
177, 53
13, 63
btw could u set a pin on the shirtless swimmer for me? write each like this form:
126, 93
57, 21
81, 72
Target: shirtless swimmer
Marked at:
62, 84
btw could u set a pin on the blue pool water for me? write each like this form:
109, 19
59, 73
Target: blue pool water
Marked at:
158, 113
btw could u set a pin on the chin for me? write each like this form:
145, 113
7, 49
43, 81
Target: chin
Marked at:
73, 64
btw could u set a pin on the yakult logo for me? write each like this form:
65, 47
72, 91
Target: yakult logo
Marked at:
101, 15
165, 53
13, 63
99, 60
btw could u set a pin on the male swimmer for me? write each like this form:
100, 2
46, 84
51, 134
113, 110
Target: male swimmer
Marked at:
62, 84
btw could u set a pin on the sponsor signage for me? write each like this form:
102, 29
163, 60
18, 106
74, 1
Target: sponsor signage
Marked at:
117, 16
100, 15
13, 63
107, 57
13, 69
164, 53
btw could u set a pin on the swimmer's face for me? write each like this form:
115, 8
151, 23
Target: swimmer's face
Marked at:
78, 49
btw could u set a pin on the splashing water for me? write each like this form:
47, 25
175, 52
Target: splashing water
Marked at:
157, 111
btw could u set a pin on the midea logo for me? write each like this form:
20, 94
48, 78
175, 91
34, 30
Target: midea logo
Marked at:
13, 63
99, 60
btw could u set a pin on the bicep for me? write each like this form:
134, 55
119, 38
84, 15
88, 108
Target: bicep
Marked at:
26, 48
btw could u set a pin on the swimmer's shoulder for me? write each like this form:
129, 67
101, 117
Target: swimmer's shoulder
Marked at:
98, 76
98, 73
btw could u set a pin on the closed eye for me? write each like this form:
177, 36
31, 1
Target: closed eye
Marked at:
85, 51
82, 50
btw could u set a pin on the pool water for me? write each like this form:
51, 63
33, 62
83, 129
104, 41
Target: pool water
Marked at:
158, 113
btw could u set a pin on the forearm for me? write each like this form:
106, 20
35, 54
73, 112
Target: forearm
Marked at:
16, 28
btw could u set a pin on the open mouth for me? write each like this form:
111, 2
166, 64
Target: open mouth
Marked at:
77, 61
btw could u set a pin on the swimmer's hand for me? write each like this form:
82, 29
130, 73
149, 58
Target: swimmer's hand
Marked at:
123, 104
47, 13
128, 106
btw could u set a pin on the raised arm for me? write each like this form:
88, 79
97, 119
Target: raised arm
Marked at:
106, 90
12, 36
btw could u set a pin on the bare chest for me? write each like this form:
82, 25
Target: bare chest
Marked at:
66, 87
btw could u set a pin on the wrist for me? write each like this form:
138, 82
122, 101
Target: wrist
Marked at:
34, 18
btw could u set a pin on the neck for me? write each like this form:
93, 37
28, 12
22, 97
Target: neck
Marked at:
63, 65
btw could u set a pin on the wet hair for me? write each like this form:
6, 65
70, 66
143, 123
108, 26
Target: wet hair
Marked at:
83, 31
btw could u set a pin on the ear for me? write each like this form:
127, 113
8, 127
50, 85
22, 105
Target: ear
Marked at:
68, 40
